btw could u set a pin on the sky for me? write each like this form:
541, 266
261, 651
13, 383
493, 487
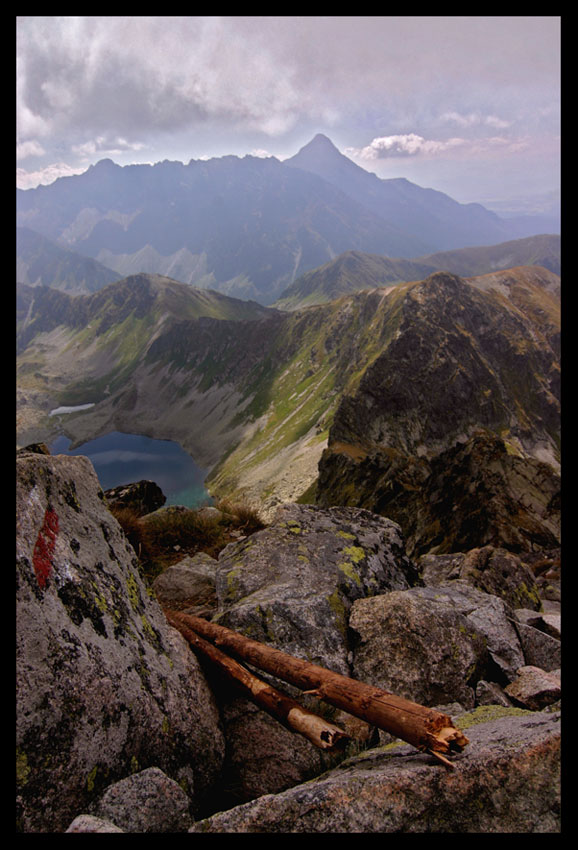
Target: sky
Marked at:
468, 105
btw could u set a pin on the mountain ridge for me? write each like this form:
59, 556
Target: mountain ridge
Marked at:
355, 270
257, 401
247, 226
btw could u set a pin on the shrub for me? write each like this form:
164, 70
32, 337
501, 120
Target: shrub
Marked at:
166, 536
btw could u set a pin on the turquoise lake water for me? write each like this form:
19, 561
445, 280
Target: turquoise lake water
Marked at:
126, 458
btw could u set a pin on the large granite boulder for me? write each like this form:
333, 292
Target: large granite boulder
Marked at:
104, 686
434, 644
292, 586
507, 780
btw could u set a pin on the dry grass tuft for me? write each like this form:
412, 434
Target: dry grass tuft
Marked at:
167, 536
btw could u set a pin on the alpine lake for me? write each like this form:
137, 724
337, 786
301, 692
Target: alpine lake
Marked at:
127, 458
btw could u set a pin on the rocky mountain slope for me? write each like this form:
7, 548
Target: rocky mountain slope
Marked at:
355, 270
41, 262
462, 402
249, 227
433, 387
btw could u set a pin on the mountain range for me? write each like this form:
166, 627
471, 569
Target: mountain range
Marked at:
397, 399
249, 227
354, 270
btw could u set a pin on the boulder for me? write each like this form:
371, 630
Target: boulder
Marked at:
540, 649
507, 780
148, 801
534, 688
433, 644
189, 585
104, 686
143, 497
548, 622
292, 585
490, 693
491, 569
420, 649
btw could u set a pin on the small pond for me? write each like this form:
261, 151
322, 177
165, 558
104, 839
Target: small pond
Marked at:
126, 458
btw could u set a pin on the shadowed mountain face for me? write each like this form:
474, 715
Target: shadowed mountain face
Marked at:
247, 227
435, 403
453, 430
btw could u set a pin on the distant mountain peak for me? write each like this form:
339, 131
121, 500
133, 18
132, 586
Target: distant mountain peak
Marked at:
319, 146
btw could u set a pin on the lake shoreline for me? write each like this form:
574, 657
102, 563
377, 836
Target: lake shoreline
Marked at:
120, 459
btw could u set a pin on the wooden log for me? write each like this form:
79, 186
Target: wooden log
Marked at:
321, 733
422, 727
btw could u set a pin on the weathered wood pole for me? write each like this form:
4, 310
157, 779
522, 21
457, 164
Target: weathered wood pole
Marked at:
424, 728
325, 735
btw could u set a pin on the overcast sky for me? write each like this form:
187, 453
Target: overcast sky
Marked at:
467, 105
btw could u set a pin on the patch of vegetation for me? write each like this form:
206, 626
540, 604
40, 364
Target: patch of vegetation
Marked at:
167, 536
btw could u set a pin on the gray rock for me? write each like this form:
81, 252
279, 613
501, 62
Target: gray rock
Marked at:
534, 688
189, 583
495, 571
90, 823
292, 586
148, 801
540, 649
507, 780
104, 686
424, 651
490, 693
548, 622
433, 644
143, 497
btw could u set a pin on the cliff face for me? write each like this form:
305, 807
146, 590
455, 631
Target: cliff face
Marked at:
454, 429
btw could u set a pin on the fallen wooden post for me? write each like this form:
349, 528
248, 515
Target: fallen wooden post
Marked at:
422, 727
324, 735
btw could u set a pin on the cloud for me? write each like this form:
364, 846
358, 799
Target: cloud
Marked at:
473, 119
31, 179
409, 144
30, 148
413, 145
106, 147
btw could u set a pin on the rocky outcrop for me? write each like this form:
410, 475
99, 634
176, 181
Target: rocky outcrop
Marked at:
104, 687
495, 571
143, 497
454, 429
506, 780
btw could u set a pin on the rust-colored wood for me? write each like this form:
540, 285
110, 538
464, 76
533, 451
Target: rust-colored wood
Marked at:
321, 733
424, 728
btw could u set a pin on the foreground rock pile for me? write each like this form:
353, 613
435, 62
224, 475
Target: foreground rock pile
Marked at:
121, 729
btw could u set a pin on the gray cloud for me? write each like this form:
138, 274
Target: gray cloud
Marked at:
87, 85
